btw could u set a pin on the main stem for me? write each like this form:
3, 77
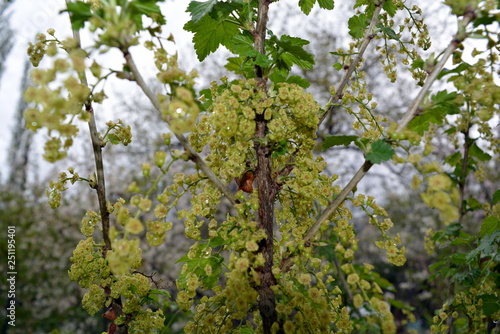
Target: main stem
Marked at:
266, 188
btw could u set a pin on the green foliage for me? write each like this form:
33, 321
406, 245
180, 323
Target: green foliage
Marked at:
442, 105
199, 9
357, 25
473, 271
80, 13
210, 33
307, 5
380, 151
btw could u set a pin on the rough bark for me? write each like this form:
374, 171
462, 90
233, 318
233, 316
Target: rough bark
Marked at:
266, 188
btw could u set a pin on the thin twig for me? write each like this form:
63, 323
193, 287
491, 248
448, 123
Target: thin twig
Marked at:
116, 303
193, 155
339, 199
99, 164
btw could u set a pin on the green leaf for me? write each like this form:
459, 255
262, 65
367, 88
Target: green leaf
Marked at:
240, 65
489, 225
389, 7
113, 139
417, 63
79, 14
496, 197
295, 79
197, 265
457, 259
337, 66
361, 143
459, 241
159, 292
388, 32
400, 305
242, 44
357, 25
491, 304
146, 7
443, 105
149, 8
452, 230
222, 10
421, 123
475, 151
381, 151
473, 203
326, 4
199, 9
263, 60
306, 6
331, 141
486, 246
280, 149
443, 97
217, 241
209, 34
436, 265
460, 68
453, 159
290, 51
485, 20
246, 330
360, 3
467, 278
278, 76
343, 54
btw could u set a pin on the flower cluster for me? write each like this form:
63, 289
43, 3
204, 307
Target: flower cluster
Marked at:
443, 196
229, 128
36, 51
470, 303
395, 255
306, 302
369, 296
89, 265
118, 132
89, 223
124, 256
132, 287
56, 109
410, 34
147, 321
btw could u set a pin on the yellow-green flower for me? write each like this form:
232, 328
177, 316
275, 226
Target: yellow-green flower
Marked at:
439, 182
440, 200
353, 279
134, 226
357, 301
